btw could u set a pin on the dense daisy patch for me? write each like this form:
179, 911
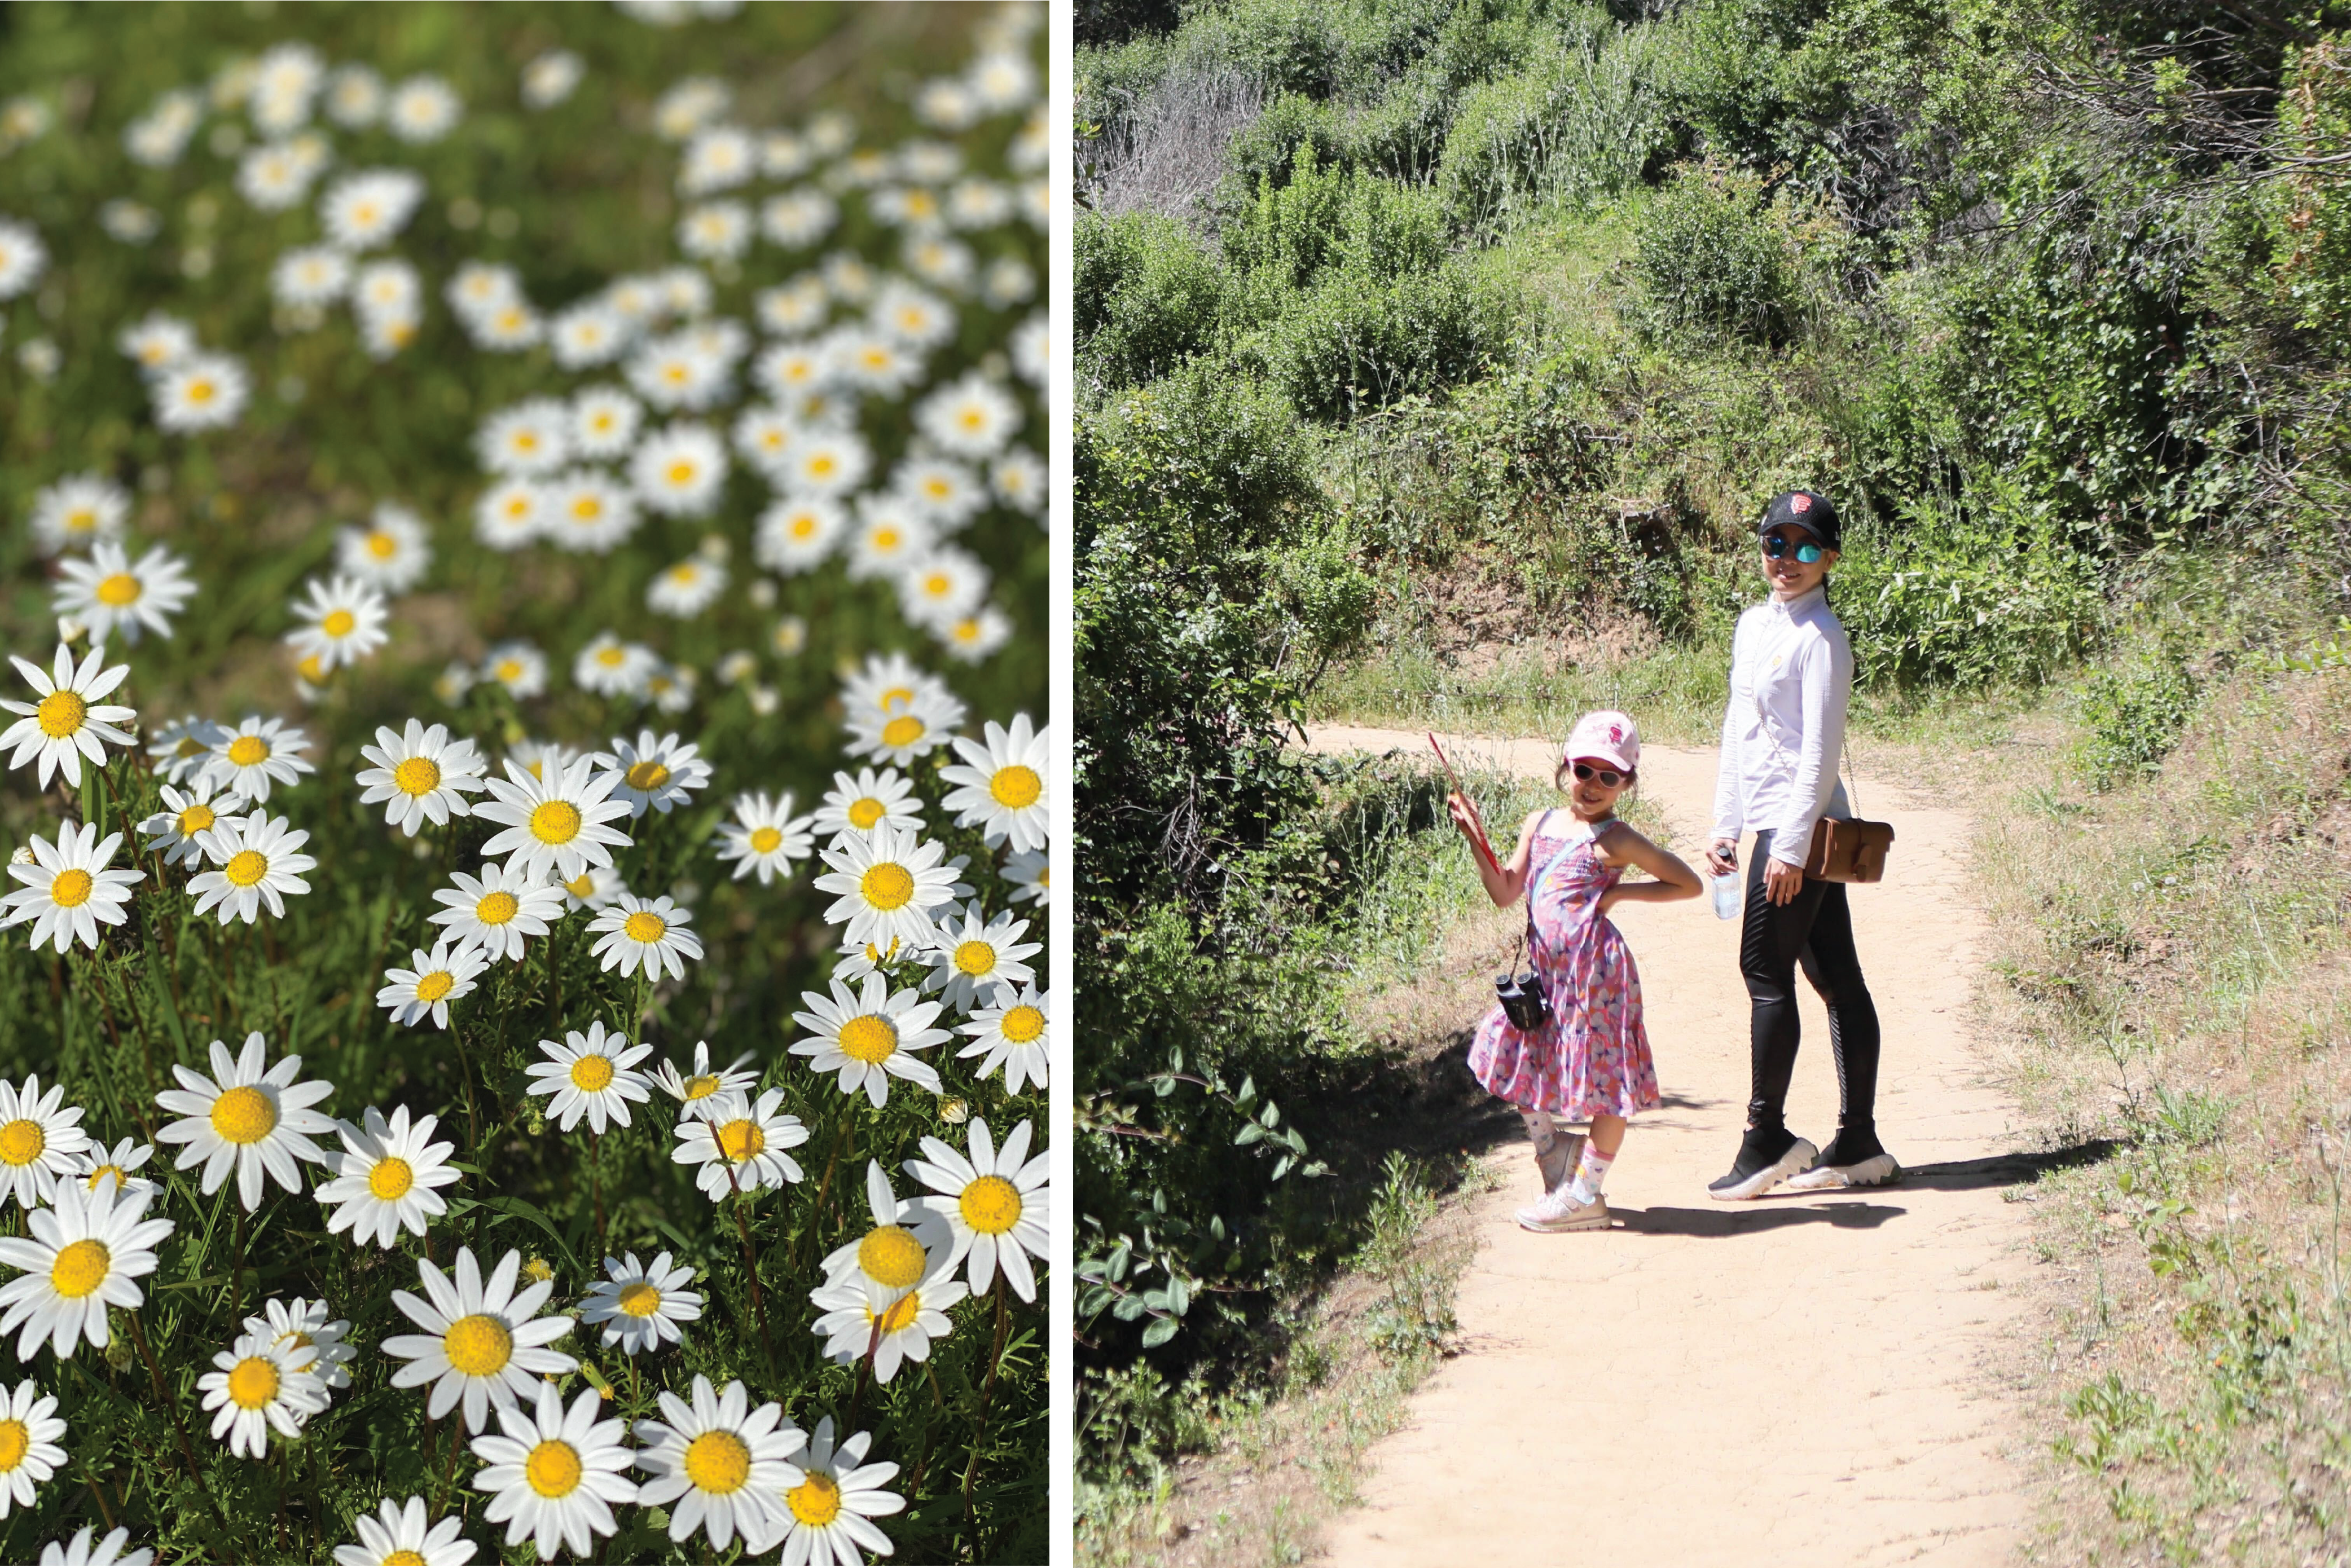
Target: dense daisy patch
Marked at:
523, 1019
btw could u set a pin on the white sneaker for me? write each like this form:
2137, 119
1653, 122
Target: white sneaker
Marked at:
1558, 1210
1557, 1161
1875, 1171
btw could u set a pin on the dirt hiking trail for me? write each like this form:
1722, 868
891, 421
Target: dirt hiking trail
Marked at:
1811, 1377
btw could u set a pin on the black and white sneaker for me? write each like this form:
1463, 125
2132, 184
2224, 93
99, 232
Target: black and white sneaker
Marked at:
1853, 1159
1766, 1156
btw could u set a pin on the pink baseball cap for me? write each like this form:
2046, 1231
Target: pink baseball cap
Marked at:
1607, 736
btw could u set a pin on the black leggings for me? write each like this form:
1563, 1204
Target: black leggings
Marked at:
1814, 930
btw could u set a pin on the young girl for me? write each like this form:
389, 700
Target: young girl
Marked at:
1590, 1059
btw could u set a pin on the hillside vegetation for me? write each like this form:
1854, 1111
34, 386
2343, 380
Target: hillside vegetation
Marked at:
1433, 357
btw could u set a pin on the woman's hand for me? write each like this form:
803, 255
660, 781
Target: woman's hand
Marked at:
1722, 857
1783, 882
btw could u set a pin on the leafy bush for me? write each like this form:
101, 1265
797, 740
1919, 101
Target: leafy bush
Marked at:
2132, 717
1715, 257
1578, 125
1357, 340
1152, 296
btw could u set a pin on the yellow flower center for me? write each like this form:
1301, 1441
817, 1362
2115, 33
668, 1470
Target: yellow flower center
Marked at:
886, 539
339, 623
253, 1383
718, 1462
200, 391
902, 730
1021, 1024
405, 1556
312, 668
244, 1114
383, 545
991, 1205
938, 585
815, 1500
887, 885
509, 670
865, 812
644, 926
891, 1257
417, 775
196, 819
121, 1177
391, 1178
803, 526
553, 1469
587, 508
939, 489
974, 419
16, 1442
247, 750
555, 822
741, 1140
647, 774
822, 464
81, 1267
477, 1345
118, 590
899, 1313
592, 1072
681, 473
701, 1088
870, 1037
71, 889
764, 840
433, 986
974, 957
22, 1141
580, 886
496, 909
1016, 786
61, 713
639, 1299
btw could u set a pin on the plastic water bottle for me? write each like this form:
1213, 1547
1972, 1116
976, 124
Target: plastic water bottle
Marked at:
1728, 896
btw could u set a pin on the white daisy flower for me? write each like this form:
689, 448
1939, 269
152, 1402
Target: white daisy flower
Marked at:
1002, 785
108, 1551
1003, 80
889, 882
22, 257
798, 531
765, 836
68, 892
791, 372
654, 773
257, 753
943, 263
680, 371
687, 588
29, 1451
719, 1465
976, 636
784, 155
541, 758
310, 275
914, 317
68, 721
255, 1387
386, 1177
647, 933
156, 342
519, 667
258, 1123
560, 825
354, 97
509, 513
555, 1474
594, 888
185, 815
260, 862
1019, 479
494, 911
303, 1325
739, 1144
828, 462
690, 105
484, 1341
83, 1256
943, 492
715, 231
202, 391
366, 209
388, 290
872, 363
718, 158
887, 536
640, 1306
869, 1035
680, 471
976, 961
422, 108
861, 1318
478, 287
341, 622
507, 328
118, 1166
532, 438
695, 1090
41, 1140
391, 553
605, 422
181, 747
550, 78
587, 509
798, 219
423, 772
765, 435
897, 1252
1011, 1033
398, 1533
439, 978
996, 1203
589, 333
834, 1508
107, 593
976, 203
612, 667
941, 586
862, 804
593, 1075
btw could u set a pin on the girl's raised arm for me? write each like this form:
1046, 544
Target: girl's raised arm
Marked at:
1505, 882
1626, 846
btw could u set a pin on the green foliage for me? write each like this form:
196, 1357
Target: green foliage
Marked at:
1152, 296
1715, 257
2131, 717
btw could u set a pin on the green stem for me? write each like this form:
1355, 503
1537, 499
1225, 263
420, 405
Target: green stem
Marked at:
979, 1428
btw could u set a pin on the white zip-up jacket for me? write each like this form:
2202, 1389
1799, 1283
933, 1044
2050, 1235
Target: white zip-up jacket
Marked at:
1784, 728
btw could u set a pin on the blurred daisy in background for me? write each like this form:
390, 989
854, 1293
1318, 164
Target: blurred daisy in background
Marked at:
765, 836
76, 512
797, 533
108, 593
519, 667
391, 553
341, 621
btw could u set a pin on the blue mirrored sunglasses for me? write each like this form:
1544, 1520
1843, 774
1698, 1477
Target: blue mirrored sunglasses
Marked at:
1777, 545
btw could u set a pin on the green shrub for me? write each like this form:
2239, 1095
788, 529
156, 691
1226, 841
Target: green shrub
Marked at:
1150, 296
1358, 341
1267, 151
2131, 718
1578, 125
1715, 257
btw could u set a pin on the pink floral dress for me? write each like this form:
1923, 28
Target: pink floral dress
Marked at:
1591, 1058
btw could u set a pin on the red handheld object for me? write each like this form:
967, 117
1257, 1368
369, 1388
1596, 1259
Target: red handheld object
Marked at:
1485, 850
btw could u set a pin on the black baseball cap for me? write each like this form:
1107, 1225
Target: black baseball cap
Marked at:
1805, 509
